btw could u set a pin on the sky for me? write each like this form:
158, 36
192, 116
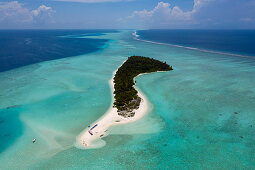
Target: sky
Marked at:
127, 14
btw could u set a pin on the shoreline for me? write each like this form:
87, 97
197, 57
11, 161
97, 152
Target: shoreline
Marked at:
111, 118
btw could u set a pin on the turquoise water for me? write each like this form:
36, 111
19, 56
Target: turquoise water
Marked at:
202, 114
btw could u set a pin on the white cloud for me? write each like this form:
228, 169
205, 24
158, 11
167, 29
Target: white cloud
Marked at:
199, 3
14, 14
161, 15
92, 1
162, 7
42, 9
43, 14
204, 14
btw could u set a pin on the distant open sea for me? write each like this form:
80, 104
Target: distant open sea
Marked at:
237, 42
23, 47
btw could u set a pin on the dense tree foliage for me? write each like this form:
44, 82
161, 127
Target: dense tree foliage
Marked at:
126, 97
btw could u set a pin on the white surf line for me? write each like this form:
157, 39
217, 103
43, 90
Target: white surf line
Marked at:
190, 48
90, 137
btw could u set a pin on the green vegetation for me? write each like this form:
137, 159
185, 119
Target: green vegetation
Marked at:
126, 98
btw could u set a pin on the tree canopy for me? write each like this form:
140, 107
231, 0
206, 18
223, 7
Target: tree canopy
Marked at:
125, 95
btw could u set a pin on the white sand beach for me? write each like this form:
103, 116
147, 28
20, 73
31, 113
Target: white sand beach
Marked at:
89, 137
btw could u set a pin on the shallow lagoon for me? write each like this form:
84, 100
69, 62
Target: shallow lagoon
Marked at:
192, 123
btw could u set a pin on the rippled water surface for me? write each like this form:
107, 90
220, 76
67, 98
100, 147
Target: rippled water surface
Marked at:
201, 115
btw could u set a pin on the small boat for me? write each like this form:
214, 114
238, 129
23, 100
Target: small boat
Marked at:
90, 133
34, 140
93, 127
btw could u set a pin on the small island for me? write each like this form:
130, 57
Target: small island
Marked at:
129, 104
126, 98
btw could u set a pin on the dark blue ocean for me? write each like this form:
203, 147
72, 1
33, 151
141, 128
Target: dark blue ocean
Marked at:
23, 47
241, 42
